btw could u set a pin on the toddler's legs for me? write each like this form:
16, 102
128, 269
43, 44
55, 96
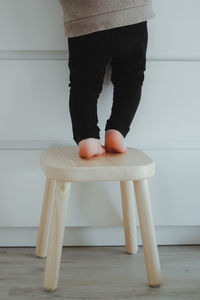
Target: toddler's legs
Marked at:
125, 47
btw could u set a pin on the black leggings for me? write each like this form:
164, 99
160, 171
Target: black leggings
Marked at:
125, 48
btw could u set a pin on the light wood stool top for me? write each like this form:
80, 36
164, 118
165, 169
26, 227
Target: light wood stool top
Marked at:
64, 163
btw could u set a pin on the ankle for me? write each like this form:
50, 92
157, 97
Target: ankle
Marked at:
88, 140
113, 131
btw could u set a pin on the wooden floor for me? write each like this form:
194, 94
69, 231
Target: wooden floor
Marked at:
101, 273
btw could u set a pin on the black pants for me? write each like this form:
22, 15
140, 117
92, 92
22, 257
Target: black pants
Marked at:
125, 48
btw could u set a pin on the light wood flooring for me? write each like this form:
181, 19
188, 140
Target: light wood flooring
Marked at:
101, 273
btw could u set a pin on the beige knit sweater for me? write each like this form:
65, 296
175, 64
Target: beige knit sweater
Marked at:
86, 16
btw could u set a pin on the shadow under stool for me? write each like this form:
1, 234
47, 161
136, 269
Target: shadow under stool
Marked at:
63, 165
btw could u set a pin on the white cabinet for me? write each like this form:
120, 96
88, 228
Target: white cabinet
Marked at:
34, 114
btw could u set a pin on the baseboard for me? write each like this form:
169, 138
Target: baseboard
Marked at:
100, 236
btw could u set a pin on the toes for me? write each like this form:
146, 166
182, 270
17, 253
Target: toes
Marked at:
115, 146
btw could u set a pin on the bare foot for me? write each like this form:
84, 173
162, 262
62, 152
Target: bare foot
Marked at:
114, 141
90, 147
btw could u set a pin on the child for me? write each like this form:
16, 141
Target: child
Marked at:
99, 32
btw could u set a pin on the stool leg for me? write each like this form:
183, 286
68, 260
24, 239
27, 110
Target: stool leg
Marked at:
129, 216
45, 218
148, 232
54, 251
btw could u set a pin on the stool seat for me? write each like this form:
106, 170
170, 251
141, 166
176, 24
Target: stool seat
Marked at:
65, 164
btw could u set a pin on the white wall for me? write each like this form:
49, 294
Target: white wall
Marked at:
34, 115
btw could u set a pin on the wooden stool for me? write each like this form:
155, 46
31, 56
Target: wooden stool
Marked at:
63, 165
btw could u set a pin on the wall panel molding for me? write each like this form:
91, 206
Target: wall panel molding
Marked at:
63, 55
143, 144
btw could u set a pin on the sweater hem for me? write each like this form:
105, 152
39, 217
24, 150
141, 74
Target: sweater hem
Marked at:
106, 12
108, 20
